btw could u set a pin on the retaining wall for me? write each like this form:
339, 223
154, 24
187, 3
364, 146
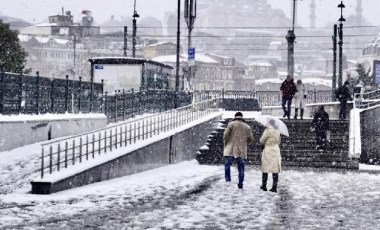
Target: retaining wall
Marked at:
171, 148
17, 133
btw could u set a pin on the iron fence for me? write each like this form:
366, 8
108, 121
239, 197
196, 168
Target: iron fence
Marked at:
24, 94
123, 105
62, 153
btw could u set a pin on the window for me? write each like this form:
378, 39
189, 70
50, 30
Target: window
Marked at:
229, 74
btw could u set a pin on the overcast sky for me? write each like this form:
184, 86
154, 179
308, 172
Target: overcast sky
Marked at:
39, 10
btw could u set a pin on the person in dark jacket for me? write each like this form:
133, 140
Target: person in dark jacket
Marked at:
236, 137
321, 125
343, 95
288, 89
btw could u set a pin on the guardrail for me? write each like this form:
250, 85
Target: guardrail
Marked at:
265, 98
62, 153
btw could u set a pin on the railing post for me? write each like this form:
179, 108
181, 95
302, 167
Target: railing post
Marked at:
38, 93
115, 106
52, 96
20, 93
102, 109
80, 95
2, 85
315, 95
139, 104
133, 102
67, 94
105, 104
92, 95
42, 162
123, 105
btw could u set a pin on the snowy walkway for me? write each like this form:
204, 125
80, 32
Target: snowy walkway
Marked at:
192, 196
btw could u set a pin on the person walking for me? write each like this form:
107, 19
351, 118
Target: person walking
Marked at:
236, 137
343, 95
321, 125
288, 89
271, 157
300, 99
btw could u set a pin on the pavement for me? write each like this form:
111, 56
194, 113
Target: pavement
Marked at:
306, 199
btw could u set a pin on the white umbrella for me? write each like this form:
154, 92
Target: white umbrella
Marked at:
278, 124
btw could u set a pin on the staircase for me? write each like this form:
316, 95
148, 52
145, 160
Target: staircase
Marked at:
299, 149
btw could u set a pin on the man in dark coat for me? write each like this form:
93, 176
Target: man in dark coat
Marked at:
288, 89
343, 95
236, 137
321, 125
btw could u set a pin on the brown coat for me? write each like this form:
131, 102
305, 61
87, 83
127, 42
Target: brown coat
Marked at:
271, 157
236, 137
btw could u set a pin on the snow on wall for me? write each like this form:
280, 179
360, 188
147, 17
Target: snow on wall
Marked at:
19, 132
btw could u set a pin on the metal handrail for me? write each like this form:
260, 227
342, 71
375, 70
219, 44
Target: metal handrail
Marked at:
76, 149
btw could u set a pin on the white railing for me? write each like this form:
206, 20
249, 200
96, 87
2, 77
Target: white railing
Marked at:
63, 153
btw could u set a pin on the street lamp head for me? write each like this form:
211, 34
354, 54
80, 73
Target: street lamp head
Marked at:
341, 5
136, 15
341, 19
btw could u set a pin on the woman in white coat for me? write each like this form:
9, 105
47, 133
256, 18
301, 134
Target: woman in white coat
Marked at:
300, 99
271, 157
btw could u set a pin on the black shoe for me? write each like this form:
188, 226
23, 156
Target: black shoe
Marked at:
263, 188
273, 190
240, 186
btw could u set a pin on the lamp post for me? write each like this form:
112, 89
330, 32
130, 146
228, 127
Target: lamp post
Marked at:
177, 54
291, 38
135, 15
340, 31
334, 59
190, 14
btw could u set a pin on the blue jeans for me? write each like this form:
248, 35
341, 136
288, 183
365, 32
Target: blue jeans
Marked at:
286, 105
227, 168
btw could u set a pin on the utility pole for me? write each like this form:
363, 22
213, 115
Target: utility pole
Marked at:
125, 40
334, 59
340, 31
190, 14
177, 54
291, 38
135, 15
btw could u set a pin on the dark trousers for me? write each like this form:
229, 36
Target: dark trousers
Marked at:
343, 109
321, 137
286, 105
227, 168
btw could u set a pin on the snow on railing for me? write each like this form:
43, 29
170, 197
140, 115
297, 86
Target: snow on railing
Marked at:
73, 150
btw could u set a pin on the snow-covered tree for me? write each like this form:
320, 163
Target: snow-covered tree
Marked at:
12, 55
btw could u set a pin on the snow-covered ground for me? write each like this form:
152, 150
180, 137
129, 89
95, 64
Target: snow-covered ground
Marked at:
191, 196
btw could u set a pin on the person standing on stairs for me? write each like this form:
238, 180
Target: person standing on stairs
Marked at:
343, 95
300, 99
288, 89
271, 156
321, 125
236, 137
